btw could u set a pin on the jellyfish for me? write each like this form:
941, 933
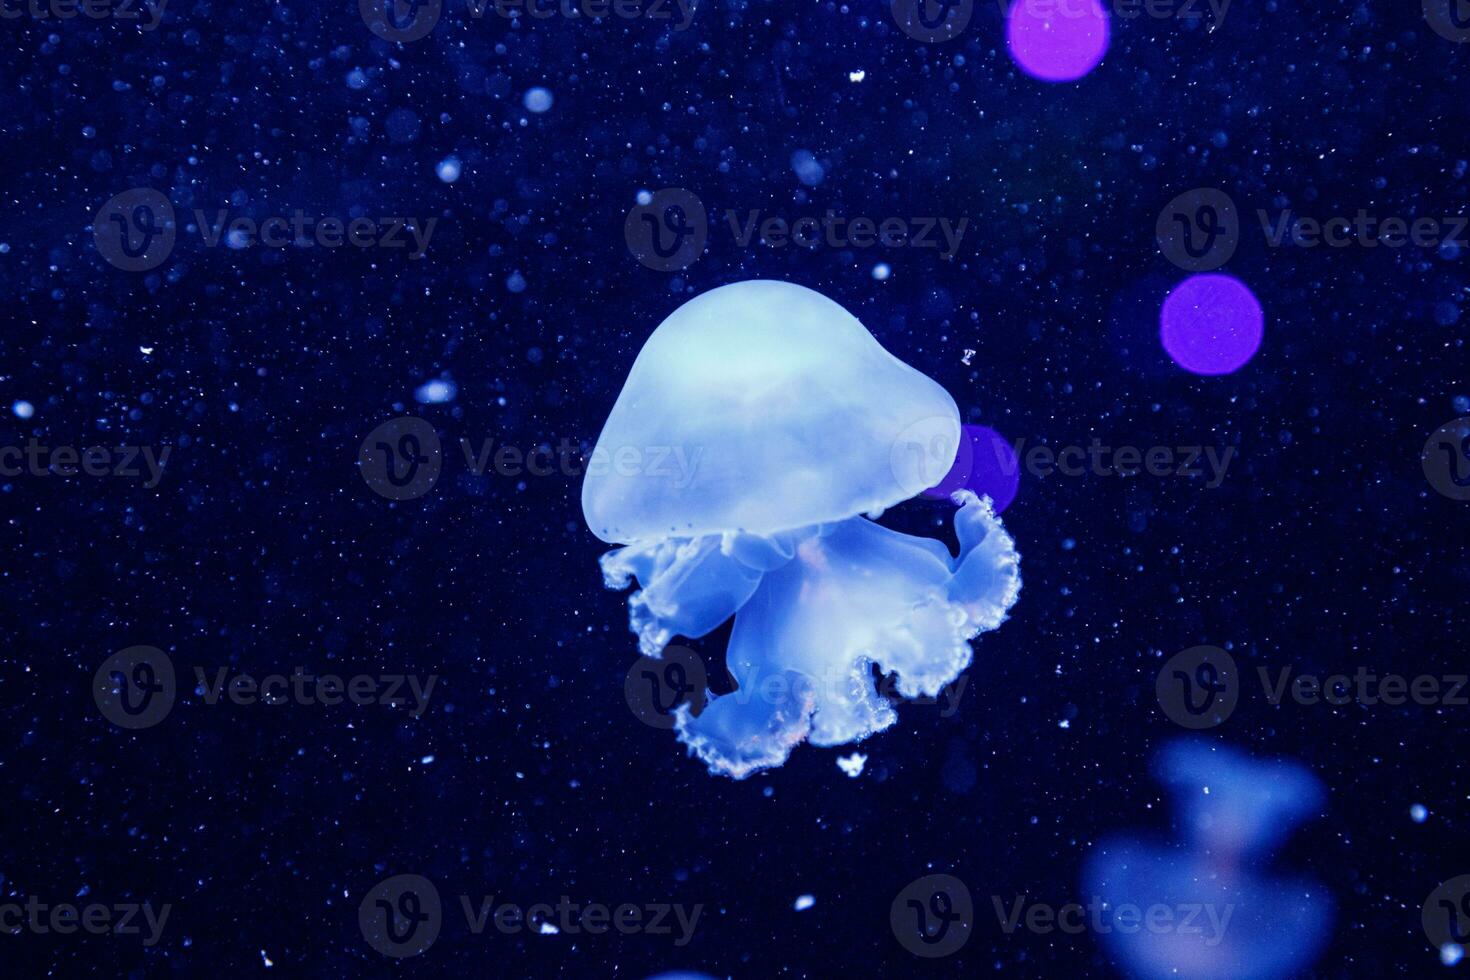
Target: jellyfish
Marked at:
796, 430
1248, 921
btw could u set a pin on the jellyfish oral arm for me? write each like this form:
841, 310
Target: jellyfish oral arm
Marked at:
689, 587
855, 595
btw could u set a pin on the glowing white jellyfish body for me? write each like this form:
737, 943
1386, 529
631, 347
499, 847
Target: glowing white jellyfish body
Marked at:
1246, 921
786, 422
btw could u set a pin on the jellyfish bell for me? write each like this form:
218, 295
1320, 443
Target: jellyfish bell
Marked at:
803, 427
768, 387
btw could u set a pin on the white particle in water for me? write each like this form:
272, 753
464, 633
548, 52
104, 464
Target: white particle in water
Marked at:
807, 168
804, 902
1418, 813
882, 271
435, 392
23, 409
448, 170
852, 764
538, 99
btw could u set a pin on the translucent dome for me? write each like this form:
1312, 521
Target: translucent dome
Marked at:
762, 407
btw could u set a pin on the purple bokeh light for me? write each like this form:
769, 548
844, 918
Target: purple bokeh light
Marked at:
986, 464
1211, 324
1057, 40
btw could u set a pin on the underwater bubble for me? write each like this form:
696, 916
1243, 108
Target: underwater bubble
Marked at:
448, 169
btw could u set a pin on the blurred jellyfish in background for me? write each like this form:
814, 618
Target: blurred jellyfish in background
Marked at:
779, 423
1253, 922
